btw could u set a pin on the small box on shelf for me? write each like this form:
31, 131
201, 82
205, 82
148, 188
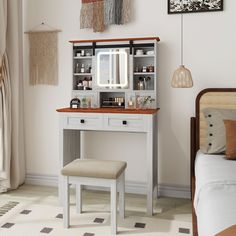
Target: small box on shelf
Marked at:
146, 51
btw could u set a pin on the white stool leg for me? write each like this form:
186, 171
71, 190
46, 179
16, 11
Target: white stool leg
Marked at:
66, 202
113, 207
78, 198
122, 195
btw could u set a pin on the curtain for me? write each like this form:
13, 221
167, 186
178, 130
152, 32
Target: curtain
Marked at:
12, 163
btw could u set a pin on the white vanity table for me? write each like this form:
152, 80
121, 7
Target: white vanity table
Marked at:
113, 79
72, 121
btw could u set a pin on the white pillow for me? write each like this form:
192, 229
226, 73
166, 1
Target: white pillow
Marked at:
216, 139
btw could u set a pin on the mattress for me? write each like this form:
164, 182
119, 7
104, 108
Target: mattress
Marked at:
215, 195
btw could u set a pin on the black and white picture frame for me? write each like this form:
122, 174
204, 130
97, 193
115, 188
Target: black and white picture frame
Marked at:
192, 6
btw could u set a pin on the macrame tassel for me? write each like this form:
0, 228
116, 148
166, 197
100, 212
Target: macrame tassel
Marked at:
98, 16
86, 14
118, 11
126, 11
109, 12
43, 57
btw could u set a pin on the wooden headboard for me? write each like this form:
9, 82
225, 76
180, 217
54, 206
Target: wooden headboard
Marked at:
211, 97
216, 98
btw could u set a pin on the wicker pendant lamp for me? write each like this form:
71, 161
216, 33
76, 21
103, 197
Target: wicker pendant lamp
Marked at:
182, 77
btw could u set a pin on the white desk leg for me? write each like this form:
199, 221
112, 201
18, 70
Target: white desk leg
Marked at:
61, 160
122, 195
79, 187
78, 198
66, 203
113, 207
60, 190
69, 149
149, 153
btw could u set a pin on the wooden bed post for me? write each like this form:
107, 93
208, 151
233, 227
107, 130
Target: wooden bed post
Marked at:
192, 172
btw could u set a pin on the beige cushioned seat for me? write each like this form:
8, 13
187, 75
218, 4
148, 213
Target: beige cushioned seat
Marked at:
94, 168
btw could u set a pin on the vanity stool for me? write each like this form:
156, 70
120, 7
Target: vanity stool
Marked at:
102, 173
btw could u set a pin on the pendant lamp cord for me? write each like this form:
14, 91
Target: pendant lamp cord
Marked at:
182, 39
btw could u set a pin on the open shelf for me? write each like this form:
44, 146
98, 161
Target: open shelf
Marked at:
85, 57
83, 74
144, 73
143, 56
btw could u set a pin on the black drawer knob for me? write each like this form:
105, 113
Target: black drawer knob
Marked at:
124, 122
82, 121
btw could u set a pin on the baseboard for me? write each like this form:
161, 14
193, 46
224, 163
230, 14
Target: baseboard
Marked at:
177, 191
43, 180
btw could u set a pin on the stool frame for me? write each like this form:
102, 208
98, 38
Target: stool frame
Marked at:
113, 184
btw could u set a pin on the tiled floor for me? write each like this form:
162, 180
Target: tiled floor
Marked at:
96, 207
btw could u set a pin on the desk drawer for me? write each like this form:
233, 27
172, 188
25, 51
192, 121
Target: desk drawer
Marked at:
84, 121
135, 123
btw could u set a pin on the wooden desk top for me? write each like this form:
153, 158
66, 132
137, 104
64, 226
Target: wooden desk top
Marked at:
110, 110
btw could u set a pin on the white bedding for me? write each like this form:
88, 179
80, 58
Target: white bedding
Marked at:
215, 196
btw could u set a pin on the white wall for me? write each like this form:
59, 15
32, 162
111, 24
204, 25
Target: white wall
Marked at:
210, 51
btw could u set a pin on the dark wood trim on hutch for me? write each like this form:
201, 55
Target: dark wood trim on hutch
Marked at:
115, 40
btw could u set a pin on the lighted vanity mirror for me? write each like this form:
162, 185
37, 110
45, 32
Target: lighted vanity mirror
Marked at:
112, 67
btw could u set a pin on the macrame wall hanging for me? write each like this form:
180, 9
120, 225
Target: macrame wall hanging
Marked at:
98, 14
43, 56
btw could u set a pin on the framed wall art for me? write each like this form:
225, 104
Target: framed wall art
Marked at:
192, 6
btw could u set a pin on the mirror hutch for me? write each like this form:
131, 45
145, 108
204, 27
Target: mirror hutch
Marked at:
118, 73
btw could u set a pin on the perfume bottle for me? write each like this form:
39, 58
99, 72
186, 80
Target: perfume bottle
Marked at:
77, 70
82, 70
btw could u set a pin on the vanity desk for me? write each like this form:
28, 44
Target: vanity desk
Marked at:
72, 121
114, 88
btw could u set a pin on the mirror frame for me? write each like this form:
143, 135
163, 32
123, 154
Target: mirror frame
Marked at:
98, 69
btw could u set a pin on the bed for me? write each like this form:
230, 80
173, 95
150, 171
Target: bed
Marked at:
213, 177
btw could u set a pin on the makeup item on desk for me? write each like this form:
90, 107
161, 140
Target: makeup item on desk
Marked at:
75, 103
82, 53
130, 104
84, 102
137, 102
